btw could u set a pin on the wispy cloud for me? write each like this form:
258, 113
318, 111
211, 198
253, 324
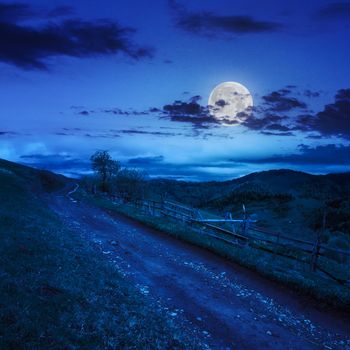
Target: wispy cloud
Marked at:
142, 161
30, 47
209, 23
336, 10
330, 154
115, 111
8, 133
144, 132
60, 163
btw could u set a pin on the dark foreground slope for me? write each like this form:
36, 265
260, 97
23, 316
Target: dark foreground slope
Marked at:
56, 292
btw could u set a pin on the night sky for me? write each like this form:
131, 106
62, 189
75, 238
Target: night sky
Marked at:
133, 77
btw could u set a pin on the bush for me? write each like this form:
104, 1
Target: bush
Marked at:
130, 184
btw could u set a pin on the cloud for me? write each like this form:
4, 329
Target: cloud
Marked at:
333, 120
84, 113
279, 127
60, 163
209, 23
81, 110
271, 133
30, 46
8, 133
143, 132
118, 111
113, 133
72, 129
269, 124
61, 133
155, 110
309, 93
62, 11
279, 114
305, 156
260, 123
189, 112
39, 156
337, 10
101, 135
328, 154
183, 108
280, 101
12, 13
142, 161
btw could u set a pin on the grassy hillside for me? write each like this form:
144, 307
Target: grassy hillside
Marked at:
56, 292
274, 265
283, 200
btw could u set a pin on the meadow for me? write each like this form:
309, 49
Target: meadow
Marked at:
262, 258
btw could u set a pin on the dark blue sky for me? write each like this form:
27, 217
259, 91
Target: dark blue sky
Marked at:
98, 75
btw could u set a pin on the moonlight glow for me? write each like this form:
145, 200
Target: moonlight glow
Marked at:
229, 99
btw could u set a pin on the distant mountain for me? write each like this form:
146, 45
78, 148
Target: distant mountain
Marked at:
282, 181
283, 200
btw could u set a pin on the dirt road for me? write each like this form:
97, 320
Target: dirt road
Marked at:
232, 307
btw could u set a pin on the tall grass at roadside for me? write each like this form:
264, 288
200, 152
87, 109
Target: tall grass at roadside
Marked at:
272, 266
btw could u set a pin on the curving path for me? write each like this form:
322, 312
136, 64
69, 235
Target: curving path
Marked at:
230, 306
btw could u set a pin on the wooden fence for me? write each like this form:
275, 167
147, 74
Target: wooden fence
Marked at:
244, 231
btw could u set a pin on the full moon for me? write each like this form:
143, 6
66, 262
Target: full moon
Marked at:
228, 100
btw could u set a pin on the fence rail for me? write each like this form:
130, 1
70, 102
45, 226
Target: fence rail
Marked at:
274, 242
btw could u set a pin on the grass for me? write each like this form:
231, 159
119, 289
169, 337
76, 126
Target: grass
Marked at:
285, 201
57, 292
274, 267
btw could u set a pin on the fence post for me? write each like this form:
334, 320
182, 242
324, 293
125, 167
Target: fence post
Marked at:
277, 244
229, 217
316, 250
244, 221
191, 216
149, 208
162, 207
